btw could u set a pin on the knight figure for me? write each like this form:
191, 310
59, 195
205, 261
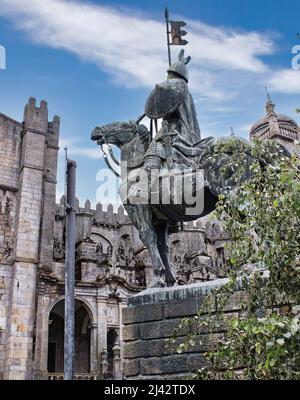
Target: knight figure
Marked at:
178, 143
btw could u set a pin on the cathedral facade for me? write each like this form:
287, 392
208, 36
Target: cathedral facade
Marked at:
111, 262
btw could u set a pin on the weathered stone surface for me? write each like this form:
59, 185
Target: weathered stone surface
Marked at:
196, 361
130, 332
140, 314
181, 308
151, 346
161, 295
131, 368
168, 377
234, 303
145, 348
164, 365
160, 329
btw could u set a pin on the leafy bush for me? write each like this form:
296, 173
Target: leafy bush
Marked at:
262, 218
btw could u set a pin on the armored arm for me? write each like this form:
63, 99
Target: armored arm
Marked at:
151, 162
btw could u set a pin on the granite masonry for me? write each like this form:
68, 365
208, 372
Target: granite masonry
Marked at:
150, 320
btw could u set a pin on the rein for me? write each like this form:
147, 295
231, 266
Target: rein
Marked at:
109, 152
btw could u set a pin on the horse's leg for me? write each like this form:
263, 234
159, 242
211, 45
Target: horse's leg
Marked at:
141, 217
164, 250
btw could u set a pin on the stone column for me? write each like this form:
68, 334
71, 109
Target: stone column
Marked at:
117, 363
94, 348
102, 325
122, 305
42, 333
103, 364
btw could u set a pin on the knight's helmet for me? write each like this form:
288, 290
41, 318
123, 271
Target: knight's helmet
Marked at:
179, 68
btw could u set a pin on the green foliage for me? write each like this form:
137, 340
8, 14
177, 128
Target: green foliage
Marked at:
260, 341
257, 348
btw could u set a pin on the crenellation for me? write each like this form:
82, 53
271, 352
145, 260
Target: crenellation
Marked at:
87, 206
36, 118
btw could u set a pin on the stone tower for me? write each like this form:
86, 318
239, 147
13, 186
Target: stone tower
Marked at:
27, 189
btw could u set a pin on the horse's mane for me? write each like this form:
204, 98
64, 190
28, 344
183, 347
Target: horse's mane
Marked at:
144, 135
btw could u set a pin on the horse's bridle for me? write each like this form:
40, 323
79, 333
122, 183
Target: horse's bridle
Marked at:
108, 152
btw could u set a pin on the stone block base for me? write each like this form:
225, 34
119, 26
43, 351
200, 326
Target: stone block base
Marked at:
150, 318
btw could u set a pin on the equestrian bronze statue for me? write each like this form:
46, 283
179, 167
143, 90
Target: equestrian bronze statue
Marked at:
175, 176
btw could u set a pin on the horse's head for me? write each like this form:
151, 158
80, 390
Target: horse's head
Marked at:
117, 133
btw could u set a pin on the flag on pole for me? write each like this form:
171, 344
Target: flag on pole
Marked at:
177, 33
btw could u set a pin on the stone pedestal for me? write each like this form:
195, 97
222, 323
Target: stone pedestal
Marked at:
149, 319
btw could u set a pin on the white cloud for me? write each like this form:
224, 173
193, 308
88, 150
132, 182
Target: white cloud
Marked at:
245, 128
285, 81
74, 149
228, 49
86, 152
131, 47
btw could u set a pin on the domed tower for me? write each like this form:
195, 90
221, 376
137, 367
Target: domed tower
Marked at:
278, 127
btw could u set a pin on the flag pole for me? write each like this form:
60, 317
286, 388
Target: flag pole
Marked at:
168, 39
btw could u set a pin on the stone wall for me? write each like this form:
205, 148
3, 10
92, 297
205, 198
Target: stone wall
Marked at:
150, 319
10, 141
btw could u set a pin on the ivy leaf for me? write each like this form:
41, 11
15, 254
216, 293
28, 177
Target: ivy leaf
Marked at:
235, 323
258, 348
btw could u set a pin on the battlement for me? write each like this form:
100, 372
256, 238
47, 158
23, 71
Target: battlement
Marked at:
119, 217
36, 118
53, 132
98, 215
54, 125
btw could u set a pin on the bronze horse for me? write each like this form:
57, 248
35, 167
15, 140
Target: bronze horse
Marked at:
219, 158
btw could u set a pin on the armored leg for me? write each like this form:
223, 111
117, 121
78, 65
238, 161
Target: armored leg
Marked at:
164, 250
141, 216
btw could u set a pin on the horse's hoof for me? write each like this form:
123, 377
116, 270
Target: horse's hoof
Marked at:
171, 282
171, 279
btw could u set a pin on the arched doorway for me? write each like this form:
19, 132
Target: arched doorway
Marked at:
56, 338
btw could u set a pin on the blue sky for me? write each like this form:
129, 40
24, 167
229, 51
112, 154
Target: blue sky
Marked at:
96, 61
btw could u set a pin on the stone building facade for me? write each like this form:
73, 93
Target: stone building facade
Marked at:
28, 152
111, 262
